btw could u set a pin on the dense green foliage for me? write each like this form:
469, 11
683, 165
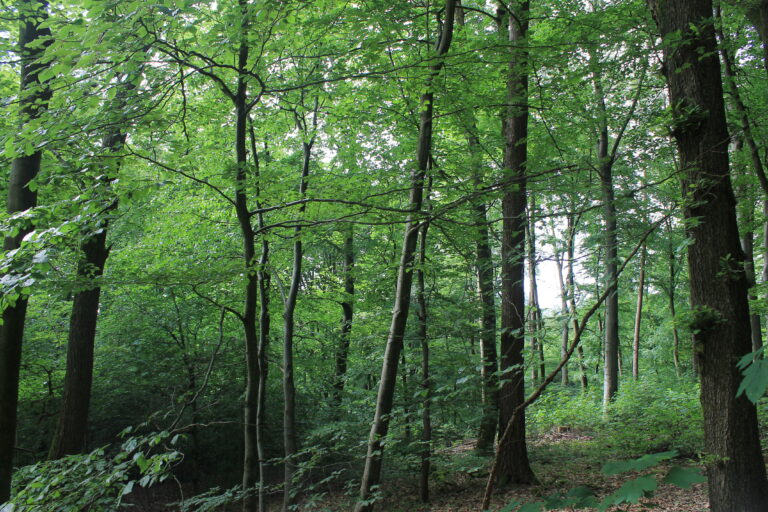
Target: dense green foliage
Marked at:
169, 350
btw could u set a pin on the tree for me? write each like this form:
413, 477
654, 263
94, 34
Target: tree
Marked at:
514, 465
736, 470
380, 426
34, 36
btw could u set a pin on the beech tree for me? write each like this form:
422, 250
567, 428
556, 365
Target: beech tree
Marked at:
721, 336
34, 94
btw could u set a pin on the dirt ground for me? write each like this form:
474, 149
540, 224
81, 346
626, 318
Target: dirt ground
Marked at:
562, 459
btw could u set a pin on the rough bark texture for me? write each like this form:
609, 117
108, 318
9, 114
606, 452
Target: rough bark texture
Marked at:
380, 426
34, 97
736, 470
514, 466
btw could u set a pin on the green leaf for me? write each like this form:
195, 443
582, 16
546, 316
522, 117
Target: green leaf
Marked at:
684, 477
755, 380
630, 492
644, 462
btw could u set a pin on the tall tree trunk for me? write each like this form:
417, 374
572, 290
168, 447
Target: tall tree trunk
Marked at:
570, 286
564, 310
534, 312
488, 355
248, 317
736, 471
347, 308
426, 383
638, 316
514, 466
747, 241
610, 245
290, 443
262, 281
33, 97
70, 434
380, 426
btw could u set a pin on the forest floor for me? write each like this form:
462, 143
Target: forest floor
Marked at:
561, 458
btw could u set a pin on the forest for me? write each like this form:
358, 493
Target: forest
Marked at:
422, 255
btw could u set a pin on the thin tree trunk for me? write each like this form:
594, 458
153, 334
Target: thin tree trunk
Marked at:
488, 355
570, 286
564, 310
610, 246
514, 466
290, 444
263, 281
533, 294
638, 317
380, 426
248, 317
33, 98
426, 384
347, 307
758, 15
747, 241
736, 470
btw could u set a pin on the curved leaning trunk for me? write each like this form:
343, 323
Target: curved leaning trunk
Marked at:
385, 395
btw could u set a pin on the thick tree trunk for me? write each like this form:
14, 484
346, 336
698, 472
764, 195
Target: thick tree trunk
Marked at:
638, 317
70, 435
34, 97
514, 466
384, 397
347, 308
736, 471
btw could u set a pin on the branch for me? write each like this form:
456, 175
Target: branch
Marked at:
566, 357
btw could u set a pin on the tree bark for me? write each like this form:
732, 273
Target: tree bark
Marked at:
535, 326
33, 97
248, 317
638, 317
747, 239
263, 281
380, 426
290, 444
70, 435
736, 470
514, 466
347, 308
488, 354
610, 247
426, 383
